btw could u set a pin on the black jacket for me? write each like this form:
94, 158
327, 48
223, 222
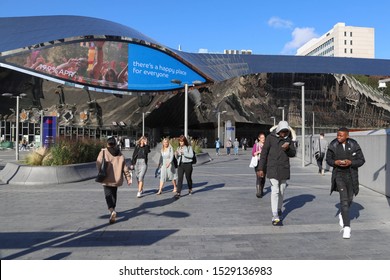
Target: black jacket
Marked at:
275, 158
354, 153
146, 149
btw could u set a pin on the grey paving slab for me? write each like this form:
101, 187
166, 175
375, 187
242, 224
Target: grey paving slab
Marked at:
223, 219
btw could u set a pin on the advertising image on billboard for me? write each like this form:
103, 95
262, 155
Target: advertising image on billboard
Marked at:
111, 65
95, 63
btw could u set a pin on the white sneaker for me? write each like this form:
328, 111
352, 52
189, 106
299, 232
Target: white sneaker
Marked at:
346, 232
341, 222
113, 217
139, 194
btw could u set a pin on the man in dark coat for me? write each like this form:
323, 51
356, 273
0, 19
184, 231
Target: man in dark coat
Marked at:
345, 156
276, 153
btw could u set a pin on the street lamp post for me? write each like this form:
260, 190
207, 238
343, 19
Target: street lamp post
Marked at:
179, 82
302, 85
282, 108
313, 123
219, 123
18, 96
274, 120
143, 122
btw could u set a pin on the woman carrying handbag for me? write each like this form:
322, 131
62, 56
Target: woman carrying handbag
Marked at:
116, 169
256, 151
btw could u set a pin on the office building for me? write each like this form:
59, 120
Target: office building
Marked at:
342, 41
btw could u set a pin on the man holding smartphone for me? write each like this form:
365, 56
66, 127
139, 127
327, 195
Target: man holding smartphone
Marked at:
345, 156
275, 156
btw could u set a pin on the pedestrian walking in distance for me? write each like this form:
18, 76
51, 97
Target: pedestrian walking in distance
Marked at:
320, 147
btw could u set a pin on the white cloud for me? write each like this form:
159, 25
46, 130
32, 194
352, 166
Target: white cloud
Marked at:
300, 36
277, 22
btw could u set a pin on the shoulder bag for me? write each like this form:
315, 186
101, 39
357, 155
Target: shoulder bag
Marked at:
254, 161
102, 171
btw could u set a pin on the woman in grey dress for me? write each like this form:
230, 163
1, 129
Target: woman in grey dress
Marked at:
140, 162
168, 170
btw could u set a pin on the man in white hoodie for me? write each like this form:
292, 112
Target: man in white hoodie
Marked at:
275, 156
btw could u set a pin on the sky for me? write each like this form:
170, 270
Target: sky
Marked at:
265, 27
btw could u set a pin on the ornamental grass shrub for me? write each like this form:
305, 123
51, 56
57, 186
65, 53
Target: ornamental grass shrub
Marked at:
66, 151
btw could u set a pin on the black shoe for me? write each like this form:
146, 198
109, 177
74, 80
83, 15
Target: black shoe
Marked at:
189, 191
259, 195
177, 196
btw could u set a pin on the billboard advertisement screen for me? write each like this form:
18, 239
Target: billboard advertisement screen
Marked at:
118, 66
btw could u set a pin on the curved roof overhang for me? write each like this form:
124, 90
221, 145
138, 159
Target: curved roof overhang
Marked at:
23, 34
224, 66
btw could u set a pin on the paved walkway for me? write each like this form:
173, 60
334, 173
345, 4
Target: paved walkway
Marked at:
223, 219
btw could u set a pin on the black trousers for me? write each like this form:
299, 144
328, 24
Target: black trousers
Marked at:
345, 188
184, 169
110, 194
319, 164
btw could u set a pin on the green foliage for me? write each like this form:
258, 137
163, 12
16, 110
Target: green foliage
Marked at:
371, 81
36, 157
66, 152
194, 143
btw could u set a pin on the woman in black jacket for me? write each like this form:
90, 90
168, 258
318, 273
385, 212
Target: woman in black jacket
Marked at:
140, 162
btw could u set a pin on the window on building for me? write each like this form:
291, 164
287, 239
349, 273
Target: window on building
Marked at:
351, 50
345, 42
345, 50
350, 33
351, 42
345, 33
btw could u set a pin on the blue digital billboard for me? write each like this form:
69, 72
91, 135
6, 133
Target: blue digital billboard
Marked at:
151, 69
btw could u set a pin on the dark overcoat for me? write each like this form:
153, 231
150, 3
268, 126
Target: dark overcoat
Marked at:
354, 153
275, 158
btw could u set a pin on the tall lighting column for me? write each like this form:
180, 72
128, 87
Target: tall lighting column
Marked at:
179, 82
302, 85
282, 108
274, 120
143, 122
219, 123
17, 96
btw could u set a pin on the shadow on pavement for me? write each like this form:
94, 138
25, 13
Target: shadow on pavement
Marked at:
296, 202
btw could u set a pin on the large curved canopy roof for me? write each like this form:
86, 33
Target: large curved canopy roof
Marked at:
20, 33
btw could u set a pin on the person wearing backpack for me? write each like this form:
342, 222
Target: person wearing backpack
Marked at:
185, 157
